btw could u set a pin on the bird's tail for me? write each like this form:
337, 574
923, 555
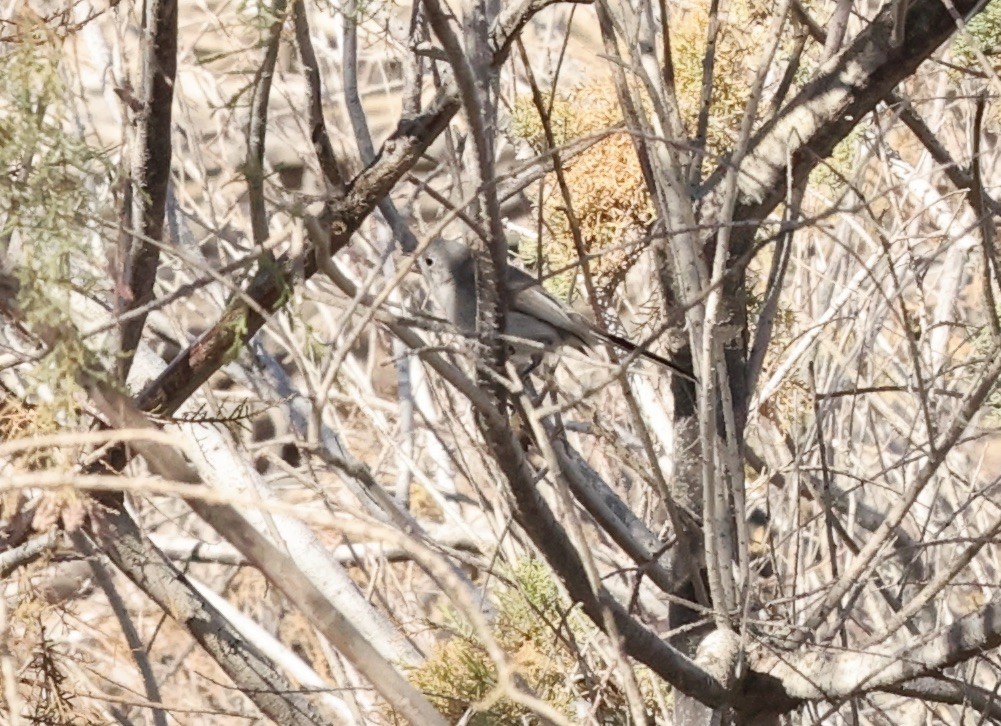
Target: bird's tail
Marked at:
629, 347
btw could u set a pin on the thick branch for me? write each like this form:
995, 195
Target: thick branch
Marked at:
847, 88
549, 536
193, 366
268, 290
117, 535
947, 690
273, 563
830, 675
150, 165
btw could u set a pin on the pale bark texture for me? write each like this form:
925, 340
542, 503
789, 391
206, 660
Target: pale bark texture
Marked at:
228, 398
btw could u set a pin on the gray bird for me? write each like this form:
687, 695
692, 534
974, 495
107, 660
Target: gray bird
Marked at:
535, 315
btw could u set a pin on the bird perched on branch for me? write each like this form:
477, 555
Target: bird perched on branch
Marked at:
535, 316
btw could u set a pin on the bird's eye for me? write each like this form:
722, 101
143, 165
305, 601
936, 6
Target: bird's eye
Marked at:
429, 261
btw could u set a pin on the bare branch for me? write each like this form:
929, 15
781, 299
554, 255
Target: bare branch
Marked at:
150, 171
277, 567
258, 125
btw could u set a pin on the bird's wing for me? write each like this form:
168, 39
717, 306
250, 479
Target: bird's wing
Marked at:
532, 300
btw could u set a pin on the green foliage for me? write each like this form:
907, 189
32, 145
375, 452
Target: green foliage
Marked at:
985, 31
530, 607
565, 119
831, 173
50, 203
536, 626
985, 345
743, 31
461, 674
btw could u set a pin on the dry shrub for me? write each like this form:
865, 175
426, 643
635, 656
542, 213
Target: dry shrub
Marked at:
610, 200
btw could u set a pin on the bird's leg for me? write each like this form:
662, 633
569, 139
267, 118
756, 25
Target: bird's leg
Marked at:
534, 362
536, 397
549, 387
